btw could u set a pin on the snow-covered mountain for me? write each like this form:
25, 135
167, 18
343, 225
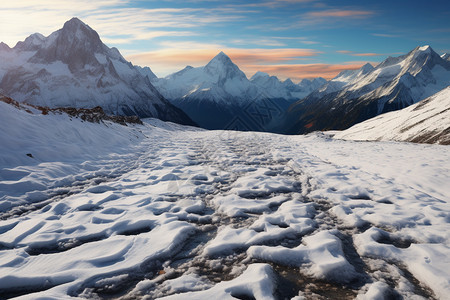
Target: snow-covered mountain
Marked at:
355, 96
219, 81
445, 56
73, 68
220, 96
427, 121
288, 90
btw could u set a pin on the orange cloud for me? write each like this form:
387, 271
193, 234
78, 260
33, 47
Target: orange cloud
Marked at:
300, 71
339, 13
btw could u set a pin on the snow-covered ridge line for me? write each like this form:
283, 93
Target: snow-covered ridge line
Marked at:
355, 96
93, 115
425, 122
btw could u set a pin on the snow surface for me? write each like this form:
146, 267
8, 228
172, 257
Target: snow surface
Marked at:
426, 121
162, 210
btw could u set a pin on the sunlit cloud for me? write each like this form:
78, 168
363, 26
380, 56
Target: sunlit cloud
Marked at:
340, 13
344, 51
385, 35
358, 54
300, 71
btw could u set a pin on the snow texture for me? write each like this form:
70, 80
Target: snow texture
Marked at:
163, 210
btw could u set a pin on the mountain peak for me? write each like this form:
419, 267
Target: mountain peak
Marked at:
424, 48
222, 58
79, 30
74, 22
445, 56
4, 47
75, 44
31, 43
222, 66
259, 74
366, 68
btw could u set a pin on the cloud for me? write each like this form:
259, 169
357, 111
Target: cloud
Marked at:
21, 18
385, 35
358, 54
300, 71
340, 13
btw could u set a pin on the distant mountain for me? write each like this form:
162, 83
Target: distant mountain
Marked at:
445, 56
425, 122
287, 90
355, 96
73, 68
219, 95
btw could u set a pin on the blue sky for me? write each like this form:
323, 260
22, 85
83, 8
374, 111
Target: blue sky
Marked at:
288, 38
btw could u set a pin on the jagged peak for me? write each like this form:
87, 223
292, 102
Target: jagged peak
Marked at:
221, 64
4, 46
424, 48
445, 56
76, 30
288, 82
75, 23
221, 58
32, 42
319, 80
259, 74
366, 68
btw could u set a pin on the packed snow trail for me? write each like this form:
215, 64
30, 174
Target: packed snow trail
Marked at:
193, 214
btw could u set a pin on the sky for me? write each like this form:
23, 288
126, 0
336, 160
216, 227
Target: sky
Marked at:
287, 38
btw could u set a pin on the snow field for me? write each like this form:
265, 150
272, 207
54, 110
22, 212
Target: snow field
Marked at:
188, 213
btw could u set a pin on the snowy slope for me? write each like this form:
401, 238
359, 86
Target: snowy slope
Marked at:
162, 210
73, 68
425, 122
355, 96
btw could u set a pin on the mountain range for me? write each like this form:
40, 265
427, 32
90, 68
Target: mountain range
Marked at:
72, 67
220, 96
355, 96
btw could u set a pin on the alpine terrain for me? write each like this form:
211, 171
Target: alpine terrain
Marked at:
425, 122
73, 68
219, 95
355, 96
101, 197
